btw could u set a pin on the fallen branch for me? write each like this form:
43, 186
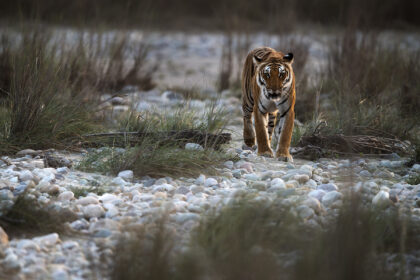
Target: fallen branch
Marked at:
123, 139
316, 146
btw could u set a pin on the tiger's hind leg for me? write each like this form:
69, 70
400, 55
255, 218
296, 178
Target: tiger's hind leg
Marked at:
248, 133
271, 122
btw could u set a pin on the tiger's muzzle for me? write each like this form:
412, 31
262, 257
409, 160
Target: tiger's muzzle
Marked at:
273, 94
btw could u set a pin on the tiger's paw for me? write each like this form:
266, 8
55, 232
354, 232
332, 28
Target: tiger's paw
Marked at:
267, 153
285, 157
249, 142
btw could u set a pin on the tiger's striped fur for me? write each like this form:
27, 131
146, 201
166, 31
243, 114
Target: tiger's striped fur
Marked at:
268, 94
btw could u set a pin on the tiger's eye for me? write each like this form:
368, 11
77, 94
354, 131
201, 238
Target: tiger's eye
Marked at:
267, 71
282, 71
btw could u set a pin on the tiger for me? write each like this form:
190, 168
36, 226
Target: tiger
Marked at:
268, 94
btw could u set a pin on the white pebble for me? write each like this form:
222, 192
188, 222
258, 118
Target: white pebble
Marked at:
65, 196
93, 211
119, 181
26, 175
193, 147
47, 240
210, 182
163, 188
330, 198
108, 197
318, 194
381, 199
87, 200
328, 187
127, 175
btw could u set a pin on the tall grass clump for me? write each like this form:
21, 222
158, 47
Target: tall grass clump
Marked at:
373, 86
251, 239
108, 61
150, 250
158, 146
50, 84
38, 106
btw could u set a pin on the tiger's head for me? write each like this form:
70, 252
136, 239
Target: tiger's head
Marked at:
274, 74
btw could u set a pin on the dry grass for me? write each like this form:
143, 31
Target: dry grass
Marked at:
255, 240
39, 108
27, 218
150, 249
50, 86
108, 62
373, 86
155, 155
226, 62
371, 91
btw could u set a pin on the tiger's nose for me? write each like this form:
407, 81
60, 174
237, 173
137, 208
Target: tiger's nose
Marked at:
271, 92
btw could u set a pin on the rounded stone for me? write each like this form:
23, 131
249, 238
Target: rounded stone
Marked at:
365, 173
25, 175
301, 178
127, 175
266, 175
210, 182
193, 147
66, 196
311, 184
327, 187
381, 199
314, 204
228, 164
27, 244
93, 211
259, 185
252, 177
108, 197
87, 200
200, 180
197, 189
247, 166
305, 212
277, 183
6, 195
182, 190
331, 197
47, 240
163, 188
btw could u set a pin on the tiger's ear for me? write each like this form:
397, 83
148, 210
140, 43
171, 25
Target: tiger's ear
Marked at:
257, 60
288, 58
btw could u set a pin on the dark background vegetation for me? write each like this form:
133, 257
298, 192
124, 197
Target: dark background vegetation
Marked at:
216, 14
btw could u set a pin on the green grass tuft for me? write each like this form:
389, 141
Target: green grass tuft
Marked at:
158, 155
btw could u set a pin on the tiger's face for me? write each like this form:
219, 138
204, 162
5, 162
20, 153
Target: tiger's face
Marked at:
275, 76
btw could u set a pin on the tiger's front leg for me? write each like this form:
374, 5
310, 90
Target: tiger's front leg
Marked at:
263, 144
286, 137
